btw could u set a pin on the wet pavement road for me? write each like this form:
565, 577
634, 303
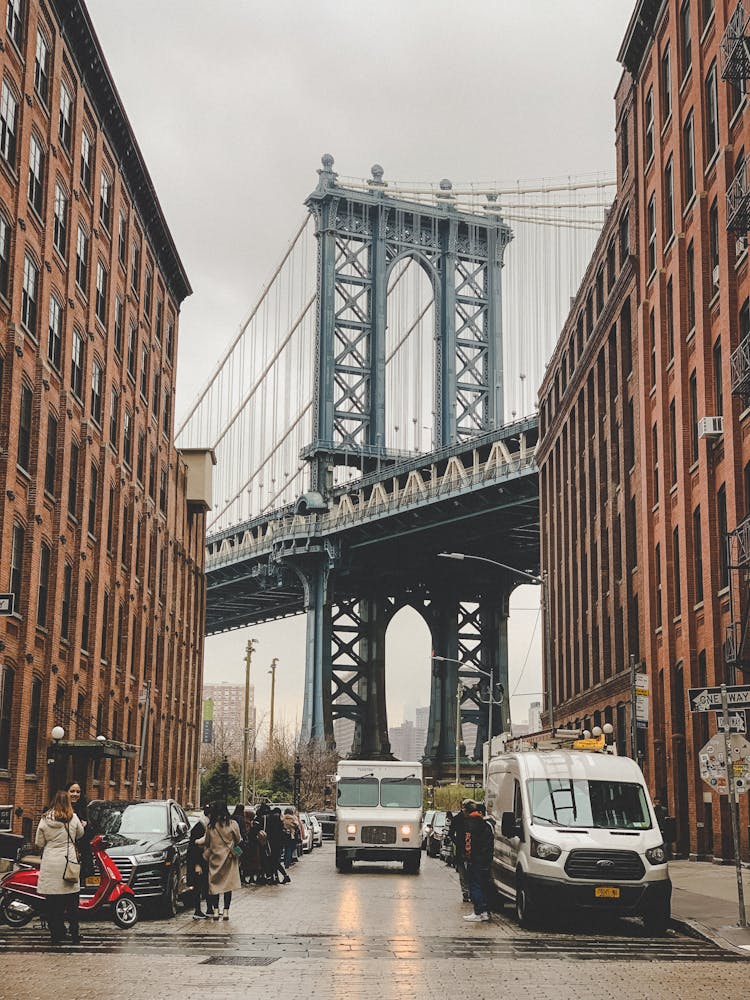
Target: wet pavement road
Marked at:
376, 934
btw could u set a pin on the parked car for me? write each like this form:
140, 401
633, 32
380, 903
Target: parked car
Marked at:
435, 835
317, 830
327, 822
307, 830
148, 841
426, 827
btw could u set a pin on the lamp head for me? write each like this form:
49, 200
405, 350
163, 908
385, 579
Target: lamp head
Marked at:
57, 733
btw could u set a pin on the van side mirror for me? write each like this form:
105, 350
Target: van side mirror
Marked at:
509, 826
669, 829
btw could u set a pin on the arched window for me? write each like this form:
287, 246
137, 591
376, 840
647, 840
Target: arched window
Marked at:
6, 709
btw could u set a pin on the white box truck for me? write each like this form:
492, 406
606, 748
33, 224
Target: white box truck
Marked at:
576, 829
378, 812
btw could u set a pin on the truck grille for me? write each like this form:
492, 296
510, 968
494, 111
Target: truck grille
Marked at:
605, 866
378, 835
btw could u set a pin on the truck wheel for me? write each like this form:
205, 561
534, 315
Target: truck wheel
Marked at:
526, 913
656, 920
411, 866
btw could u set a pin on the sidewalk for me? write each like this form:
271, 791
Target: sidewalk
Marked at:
704, 897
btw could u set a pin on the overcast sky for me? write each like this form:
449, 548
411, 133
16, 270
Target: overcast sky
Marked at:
233, 103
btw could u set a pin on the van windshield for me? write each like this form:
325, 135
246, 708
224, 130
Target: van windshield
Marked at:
357, 791
400, 792
616, 805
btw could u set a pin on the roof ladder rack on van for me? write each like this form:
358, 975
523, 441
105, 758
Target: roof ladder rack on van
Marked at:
556, 739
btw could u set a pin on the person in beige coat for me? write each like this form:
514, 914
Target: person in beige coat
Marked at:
221, 837
56, 835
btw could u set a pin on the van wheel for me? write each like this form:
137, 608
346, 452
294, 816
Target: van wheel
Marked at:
656, 921
526, 913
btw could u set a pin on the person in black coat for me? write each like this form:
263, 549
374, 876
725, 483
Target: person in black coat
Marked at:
458, 832
479, 845
275, 831
197, 871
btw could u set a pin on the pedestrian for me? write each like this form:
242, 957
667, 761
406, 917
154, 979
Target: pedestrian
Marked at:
59, 876
446, 849
458, 830
221, 851
251, 867
197, 871
479, 843
290, 833
275, 831
238, 815
80, 806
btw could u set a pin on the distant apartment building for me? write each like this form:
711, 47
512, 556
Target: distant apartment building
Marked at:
228, 701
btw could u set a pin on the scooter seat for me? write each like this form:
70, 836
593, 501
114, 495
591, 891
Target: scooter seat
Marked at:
31, 860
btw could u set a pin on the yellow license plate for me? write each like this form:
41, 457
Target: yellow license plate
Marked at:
607, 892
93, 880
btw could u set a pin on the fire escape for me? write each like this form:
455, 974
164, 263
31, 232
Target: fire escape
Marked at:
735, 68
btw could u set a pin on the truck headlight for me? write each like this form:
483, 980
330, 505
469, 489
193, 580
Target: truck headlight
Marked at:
545, 852
351, 828
405, 831
657, 855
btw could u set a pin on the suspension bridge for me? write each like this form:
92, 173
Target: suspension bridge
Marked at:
376, 407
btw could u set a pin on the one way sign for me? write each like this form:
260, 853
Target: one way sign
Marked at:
709, 699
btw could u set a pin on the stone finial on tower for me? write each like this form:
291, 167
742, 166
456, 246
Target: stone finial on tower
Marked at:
377, 177
446, 191
327, 175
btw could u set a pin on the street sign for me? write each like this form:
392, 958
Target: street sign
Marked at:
7, 604
713, 764
641, 700
708, 699
737, 722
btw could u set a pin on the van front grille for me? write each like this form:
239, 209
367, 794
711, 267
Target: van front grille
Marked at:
605, 866
378, 835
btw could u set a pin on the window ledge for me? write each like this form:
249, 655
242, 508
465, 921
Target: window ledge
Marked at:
667, 124
670, 242
690, 336
658, 630
707, 28
698, 606
741, 258
694, 466
723, 592
651, 277
712, 162
673, 489
714, 299
686, 77
738, 113
689, 207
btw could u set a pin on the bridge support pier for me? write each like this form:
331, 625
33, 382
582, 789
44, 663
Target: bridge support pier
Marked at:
371, 733
316, 713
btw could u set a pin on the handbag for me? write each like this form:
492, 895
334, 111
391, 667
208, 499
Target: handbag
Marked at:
72, 870
236, 849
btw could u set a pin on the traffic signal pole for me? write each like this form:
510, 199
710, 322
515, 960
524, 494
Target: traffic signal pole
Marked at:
733, 806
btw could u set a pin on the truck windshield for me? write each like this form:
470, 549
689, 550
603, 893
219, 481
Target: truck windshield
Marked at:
616, 805
400, 792
357, 791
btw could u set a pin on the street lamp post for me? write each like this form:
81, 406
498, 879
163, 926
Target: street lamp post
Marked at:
272, 672
249, 649
542, 582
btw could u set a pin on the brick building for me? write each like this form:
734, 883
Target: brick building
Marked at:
690, 483
101, 520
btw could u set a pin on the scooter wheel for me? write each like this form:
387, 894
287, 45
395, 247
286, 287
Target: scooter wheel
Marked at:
125, 912
14, 912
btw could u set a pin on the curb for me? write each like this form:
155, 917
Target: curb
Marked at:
695, 929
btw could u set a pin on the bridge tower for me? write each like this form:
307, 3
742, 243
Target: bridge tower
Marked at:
361, 235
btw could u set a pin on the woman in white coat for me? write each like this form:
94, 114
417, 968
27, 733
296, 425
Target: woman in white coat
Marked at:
57, 834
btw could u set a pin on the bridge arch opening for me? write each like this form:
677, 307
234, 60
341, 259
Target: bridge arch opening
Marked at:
408, 646
525, 643
410, 357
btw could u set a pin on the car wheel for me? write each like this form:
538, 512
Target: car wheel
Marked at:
125, 912
14, 912
169, 904
526, 913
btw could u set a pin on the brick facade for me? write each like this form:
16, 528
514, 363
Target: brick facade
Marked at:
691, 312
94, 518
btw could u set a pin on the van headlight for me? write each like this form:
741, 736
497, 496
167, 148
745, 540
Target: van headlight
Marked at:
657, 855
545, 852
405, 831
351, 828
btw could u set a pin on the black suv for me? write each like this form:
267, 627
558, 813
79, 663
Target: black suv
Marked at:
148, 841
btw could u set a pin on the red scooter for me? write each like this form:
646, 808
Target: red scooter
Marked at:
20, 901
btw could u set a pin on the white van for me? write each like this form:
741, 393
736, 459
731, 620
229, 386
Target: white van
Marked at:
378, 812
576, 829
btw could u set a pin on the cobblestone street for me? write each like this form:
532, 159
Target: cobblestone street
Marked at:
373, 934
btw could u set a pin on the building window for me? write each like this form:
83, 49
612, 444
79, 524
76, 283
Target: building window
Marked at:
693, 397
73, 480
16, 564
170, 339
690, 277
152, 476
86, 616
54, 343
65, 124
29, 296
135, 266
105, 201
721, 512
163, 491
110, 518
132, 348
712, 114
4, 256
105, 623
698, 555
611, 265
125, 533
167, 418
688, 145
41, 67
713, 234
652, 234
85, 162
43, 590
50, 459
102, 279
686, 51
77, 357
32, 742
669, 200
96, 393
119, 312
707, 12
718, 387
66, 598
147, 290
670, 319
144, 372
60, 233
652, 334
666, 85
140, 463
14, 22
114, 417
624, 146
649, 119
156, 396
673, 441
122, 239
127, 440
82, 260
36, 176
6, 714
8, 124
24, 428
676, 572
657, 561
159, 318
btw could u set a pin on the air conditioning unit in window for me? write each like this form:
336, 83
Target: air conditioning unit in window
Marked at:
716, 276
710, 427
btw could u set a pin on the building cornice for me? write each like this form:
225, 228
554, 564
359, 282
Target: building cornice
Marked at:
640, 33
